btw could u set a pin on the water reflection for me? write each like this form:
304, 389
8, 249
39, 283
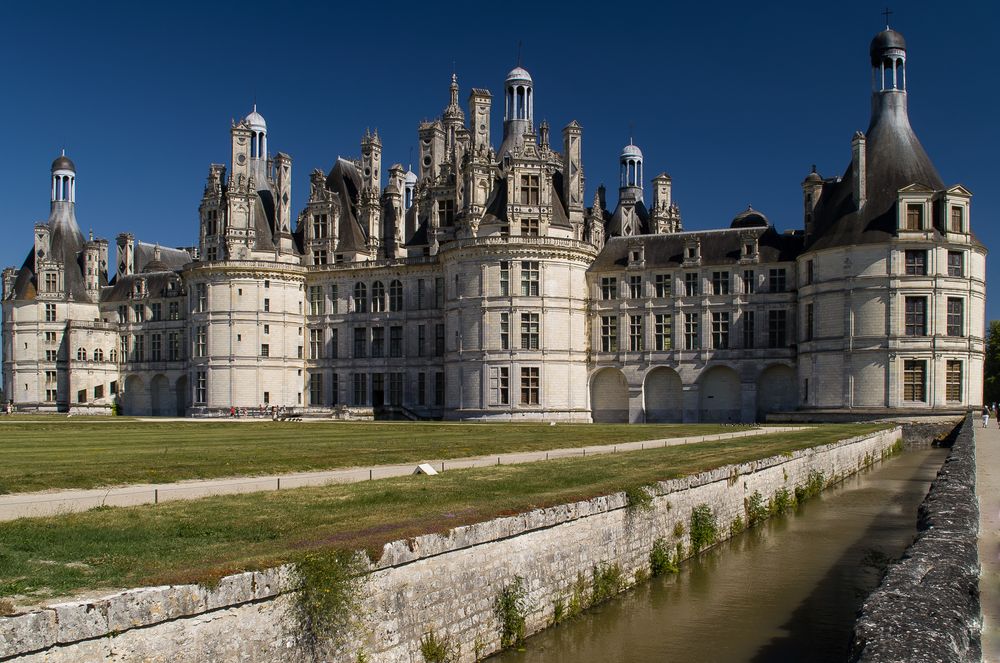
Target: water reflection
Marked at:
786, 591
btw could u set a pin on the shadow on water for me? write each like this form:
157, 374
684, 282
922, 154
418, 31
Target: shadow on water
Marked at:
786, 591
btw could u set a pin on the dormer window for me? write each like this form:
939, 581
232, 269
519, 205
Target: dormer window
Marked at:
636, 256
956, 221
914, 216
692, 253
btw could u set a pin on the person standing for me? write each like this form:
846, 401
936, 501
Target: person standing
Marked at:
986, 416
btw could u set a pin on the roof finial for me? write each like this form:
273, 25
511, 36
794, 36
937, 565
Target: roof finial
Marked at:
814, 168
518, 52
886, 12
64, 151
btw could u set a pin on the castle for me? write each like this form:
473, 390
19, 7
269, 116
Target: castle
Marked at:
485, 287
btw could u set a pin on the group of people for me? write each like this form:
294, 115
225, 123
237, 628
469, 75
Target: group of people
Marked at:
988, 411
261, 411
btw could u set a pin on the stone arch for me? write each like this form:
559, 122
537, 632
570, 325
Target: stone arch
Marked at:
663, 395
777, 390
609, 396
183, 396
134, 399
161, 400
719, 395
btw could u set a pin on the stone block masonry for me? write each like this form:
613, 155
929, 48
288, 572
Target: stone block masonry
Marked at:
927, 607
441, 583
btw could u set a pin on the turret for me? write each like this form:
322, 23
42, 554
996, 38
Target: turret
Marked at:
126, 254
812, 188
519, 109
63, 180
573, 170
630, 162
664, 216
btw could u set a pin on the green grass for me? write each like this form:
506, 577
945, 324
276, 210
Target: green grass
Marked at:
202, 540
81, 453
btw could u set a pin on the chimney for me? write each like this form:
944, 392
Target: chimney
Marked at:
858, 169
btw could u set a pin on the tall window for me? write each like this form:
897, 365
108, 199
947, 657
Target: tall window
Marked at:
360, 389
916, 316
395, 388
956, 219
201, 297
914, 217
319, 226
529, 227
691, 340
748, 329
809, 272
446, 212
319, 257
529, 331
956, 316
334, 292
316, 389
139, 348
609, 287
916, 262
140, 312
378, 297
267, 305
81, 354
505, 331
810, 320
609, 333
635, 286
421, 388
504, 278
749, 282
635, 333
334, 389
720, 330
317, 303
98, 354
360, 298
360, 341
720, 283
776, 279
51, 282
378, 341
529, 278
691, 288
395, 295
662, 331
499, 385
156, 347
334, 338
156, 312
530, 385
529, 189
201, 387
439, 292
50, 313
421, 295
915, 380
439, 388
439, 340
777, 328
953, 381
316, 343
173, 311
421, 340
395, 341
265, 350
956, 264
173, 346
662, 282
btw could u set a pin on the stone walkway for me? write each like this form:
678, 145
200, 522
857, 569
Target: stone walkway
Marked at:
988, 491
22, 505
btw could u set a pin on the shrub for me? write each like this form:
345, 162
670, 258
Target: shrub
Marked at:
640, 498
328, 596
608, 581
436, 649
736, 526
678, 529
755, 508
811, 488
781, 502
578, 601
510, 609
703, 527
660, 559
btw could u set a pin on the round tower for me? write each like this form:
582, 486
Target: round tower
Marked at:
63, 180
519, 109
630, 162
258, 135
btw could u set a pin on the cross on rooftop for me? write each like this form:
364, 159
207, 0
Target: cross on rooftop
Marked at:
886, 12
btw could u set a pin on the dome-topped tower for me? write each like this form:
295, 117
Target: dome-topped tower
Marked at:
63, 179
888, 55
258, 139
630, 161
519, 108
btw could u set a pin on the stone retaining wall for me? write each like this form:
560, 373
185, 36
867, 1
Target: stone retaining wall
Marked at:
927, 606
441, 583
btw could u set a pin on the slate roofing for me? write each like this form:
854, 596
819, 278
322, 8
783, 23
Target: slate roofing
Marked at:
345, 181
65, 246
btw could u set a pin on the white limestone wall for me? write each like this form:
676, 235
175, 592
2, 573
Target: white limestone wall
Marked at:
445, 583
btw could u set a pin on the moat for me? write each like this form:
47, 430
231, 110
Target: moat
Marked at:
786, 591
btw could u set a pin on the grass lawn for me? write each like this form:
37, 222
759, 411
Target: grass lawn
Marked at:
57, 452
202, 540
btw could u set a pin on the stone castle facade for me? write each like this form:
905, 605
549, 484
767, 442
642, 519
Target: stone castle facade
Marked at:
484, 286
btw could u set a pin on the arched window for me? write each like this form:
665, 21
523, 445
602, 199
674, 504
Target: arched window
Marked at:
378, 297
81, 354
113, 356
98, 355
395, 296
360, 298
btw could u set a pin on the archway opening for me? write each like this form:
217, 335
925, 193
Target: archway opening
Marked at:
663, 396
609, 397
719, 395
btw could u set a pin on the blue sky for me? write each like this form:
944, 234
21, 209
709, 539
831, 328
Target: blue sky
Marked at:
734, 100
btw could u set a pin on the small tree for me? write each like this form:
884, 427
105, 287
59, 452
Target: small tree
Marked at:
991, 371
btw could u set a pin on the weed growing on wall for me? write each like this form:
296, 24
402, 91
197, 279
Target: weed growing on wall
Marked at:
577, 602
703, 527
781, 502
812, 487
558, 611
640, 498
608, 582
510, 608
678, 529
438, 649
755, 508
661, 560
478, 647
736, 526
328, 594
